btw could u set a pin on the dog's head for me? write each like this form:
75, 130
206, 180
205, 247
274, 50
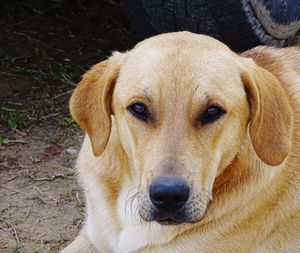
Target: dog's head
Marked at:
183, 104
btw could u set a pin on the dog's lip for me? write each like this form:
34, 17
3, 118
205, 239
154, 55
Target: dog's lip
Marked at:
169, 221
174, 219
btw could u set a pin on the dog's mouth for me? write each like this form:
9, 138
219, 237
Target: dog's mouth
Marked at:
192, 212
169, 221
176, 218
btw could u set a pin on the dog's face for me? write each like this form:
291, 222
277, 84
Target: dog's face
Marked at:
181, 113
181, 105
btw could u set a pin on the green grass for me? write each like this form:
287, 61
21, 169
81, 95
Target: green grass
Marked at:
67, 122
13, 120
2, 140
67, 195
10, 116
66, 72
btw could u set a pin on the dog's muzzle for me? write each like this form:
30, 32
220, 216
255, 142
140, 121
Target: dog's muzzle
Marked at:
170, 201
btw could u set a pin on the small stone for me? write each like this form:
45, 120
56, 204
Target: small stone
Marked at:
71, 151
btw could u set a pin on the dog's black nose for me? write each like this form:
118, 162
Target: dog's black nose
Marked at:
169, 194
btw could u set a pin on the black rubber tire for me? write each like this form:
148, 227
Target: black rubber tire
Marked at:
241, 24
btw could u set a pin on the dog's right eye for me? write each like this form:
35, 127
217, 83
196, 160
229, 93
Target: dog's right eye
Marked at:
138, 110
211, 114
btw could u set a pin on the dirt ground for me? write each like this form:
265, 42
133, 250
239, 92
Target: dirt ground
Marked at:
45, 46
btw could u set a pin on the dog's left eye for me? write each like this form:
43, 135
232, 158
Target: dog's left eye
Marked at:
211, 114
138, 110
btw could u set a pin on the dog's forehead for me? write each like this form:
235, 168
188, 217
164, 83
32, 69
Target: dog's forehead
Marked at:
179, 39
186, 62
177, 49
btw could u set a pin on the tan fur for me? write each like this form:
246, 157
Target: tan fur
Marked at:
243, 169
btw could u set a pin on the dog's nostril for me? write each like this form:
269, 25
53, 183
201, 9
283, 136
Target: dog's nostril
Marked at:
169, 194
157, 198
179, 199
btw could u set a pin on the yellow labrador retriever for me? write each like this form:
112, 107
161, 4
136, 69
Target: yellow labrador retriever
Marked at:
190, 148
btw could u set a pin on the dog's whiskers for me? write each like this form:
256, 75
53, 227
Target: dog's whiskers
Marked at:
130, 201
129, 198
134, 208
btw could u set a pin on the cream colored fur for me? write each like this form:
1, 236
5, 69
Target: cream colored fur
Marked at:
249, 160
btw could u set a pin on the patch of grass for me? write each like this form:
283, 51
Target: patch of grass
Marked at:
67, 122
67, 195
10, 116
67, 74
2, 140
13, 120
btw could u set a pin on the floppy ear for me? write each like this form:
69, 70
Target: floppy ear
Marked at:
90, 104
271, 119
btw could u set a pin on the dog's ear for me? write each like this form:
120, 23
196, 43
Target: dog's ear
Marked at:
90, 104
271, 118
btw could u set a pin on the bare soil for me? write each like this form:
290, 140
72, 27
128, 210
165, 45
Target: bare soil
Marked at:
45, 46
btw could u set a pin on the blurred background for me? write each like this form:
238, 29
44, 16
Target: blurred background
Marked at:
45, 47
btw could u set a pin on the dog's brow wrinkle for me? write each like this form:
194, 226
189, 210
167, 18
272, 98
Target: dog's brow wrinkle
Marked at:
143, 91
147, 96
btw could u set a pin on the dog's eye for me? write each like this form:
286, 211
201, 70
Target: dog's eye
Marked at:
211, 114
139, 110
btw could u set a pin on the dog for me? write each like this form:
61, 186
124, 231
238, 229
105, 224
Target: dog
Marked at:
190, 147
